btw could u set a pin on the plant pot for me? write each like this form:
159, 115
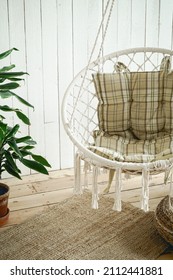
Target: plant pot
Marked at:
4, 219
4, 194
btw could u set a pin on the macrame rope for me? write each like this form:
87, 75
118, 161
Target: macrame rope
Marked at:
94, 47
95, 188
118, 184
145, 189
77, 170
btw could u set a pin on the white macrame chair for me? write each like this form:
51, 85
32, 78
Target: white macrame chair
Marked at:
80, 119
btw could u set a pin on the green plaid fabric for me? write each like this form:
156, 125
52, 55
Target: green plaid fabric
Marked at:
167, 103
132, 150
147, 115
135, 113
114, 102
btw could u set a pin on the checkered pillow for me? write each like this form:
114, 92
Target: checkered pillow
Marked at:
132, 150
167, 102
147, 115
135, 113
114, 103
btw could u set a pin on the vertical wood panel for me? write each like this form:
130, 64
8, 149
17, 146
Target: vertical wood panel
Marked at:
4, 46
166, 13
17, 39
152, 23
80, 36
138, 38
93, 22
34, 68
49, 54
50, 81
124, 24
65, 72
4, 27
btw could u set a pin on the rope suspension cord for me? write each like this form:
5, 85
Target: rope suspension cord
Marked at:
108, 9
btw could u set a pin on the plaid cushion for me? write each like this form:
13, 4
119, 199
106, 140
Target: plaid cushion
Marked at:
132, 150
167, 103
135, 114
147, 116
114, 103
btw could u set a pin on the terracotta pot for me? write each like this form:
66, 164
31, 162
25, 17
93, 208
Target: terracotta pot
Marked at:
4, 219
4, 194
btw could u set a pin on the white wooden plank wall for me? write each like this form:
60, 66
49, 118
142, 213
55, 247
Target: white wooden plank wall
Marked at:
55, 39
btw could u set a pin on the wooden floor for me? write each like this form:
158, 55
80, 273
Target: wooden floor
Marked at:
34, 193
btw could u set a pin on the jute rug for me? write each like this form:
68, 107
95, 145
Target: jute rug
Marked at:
73, 231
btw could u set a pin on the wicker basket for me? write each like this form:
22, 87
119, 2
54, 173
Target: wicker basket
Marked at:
164, 220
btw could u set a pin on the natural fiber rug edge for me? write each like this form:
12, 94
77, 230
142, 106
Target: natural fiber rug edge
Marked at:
72, 230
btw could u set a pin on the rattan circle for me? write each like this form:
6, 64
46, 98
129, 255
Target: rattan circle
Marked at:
164, 220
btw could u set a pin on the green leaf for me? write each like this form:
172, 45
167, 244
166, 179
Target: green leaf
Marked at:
3, 127
6, 108
27, 147
14, 147
24, 139
41, 160
9, 86
22, 117
5, 94
12, 131
7, 75
1, 80
11, 171
15, 79
8, 93
6, 53
11, 161
7, 68
34, 165
22, 100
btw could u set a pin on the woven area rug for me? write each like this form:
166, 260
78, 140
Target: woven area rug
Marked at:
72, 230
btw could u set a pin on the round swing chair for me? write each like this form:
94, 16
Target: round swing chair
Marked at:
118, 113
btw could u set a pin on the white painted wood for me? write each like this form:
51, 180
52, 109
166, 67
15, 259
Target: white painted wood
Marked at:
65, 73
124, 24
80, 34
49, 56
50, 81
94, 19
4, 27
138, 37
152, 23
55, 39
17, 40
34, 68
165, 34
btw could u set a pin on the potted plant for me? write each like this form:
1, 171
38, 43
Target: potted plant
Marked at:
14, 147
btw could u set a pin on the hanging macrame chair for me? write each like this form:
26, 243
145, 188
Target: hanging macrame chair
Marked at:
118, 113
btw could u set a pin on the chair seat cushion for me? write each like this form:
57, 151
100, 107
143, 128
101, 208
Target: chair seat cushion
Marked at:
132, 150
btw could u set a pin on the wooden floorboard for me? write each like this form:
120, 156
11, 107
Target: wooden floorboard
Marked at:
36, 193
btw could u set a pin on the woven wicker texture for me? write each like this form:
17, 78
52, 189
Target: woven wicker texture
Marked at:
164, 220
72, 230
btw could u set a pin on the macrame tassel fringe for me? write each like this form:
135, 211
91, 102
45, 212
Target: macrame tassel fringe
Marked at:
145, 189
95, 188
87, 168
118, 185
77, 165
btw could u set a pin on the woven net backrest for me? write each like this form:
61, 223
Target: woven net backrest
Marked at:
80, 101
